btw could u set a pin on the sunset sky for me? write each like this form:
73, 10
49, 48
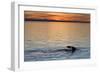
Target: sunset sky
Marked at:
56, 16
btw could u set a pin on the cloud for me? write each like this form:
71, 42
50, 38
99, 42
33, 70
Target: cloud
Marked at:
56, 16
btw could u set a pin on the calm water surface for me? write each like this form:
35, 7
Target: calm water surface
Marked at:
55, 35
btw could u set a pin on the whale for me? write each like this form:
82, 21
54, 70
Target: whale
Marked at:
71, 48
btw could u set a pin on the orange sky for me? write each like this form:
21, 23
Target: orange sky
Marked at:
57, 16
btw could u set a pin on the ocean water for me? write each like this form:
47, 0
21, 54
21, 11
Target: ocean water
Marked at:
42, 38
46, 55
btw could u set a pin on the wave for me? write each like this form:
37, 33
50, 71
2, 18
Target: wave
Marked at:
55, 54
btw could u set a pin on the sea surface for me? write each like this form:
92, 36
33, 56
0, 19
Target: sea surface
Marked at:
41, 38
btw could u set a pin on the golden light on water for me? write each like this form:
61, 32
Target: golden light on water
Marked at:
57, 31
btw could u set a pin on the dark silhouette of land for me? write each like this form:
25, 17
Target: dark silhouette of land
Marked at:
50, 20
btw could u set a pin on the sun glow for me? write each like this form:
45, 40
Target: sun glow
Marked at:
56, 18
